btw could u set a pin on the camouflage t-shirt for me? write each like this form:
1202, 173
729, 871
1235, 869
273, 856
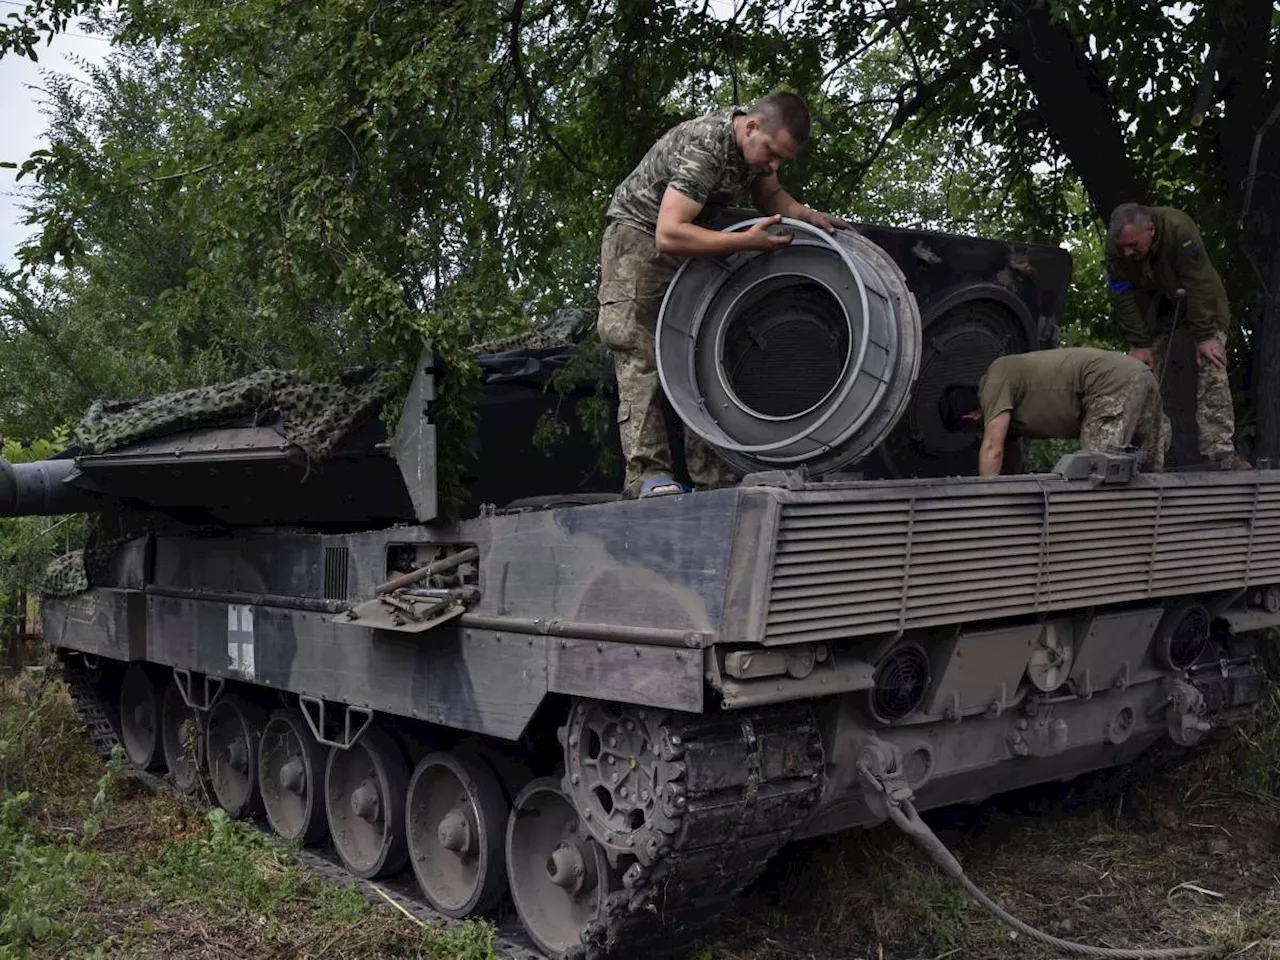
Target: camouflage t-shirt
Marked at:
699, 157
1047, 391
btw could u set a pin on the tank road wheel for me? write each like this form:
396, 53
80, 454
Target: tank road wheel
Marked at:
456, 815
365, 789
140, 719
291, 776
180, 735
235, 734
560, 878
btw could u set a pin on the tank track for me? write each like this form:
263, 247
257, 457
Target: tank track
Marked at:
737, 787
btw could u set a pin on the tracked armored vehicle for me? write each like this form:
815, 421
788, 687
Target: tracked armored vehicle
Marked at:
613, 712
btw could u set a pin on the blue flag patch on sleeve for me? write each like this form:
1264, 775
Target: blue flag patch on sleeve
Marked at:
1120, 286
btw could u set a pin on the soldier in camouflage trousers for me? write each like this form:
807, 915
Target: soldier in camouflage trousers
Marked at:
1113, 421
1110, 401
654, 220
1152, 254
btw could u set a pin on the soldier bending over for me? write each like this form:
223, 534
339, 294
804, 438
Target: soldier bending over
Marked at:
654, 220
1152, 252
1108, 400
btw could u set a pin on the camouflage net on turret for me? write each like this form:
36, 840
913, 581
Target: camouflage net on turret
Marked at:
564, 329
65, 576
317, 416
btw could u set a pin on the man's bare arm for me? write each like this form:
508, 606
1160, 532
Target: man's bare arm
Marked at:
679, 236
771, 198
991, 454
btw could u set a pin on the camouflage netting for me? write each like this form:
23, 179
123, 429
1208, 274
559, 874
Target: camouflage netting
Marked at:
65, 576
565, 329
317, 416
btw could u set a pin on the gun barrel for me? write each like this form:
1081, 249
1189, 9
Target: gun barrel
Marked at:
40, 489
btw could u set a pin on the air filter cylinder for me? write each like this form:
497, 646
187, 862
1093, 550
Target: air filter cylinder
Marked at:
800, 357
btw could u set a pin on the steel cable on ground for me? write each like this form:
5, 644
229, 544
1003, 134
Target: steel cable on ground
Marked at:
903, 814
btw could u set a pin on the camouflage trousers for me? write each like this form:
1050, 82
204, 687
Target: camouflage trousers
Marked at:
633, 280
1215, 418
1115, 422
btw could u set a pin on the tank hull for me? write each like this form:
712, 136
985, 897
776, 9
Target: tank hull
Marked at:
762, 654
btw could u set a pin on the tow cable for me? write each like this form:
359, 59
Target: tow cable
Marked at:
896, 796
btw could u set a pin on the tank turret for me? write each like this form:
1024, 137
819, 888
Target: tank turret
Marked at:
829, 355
270, 449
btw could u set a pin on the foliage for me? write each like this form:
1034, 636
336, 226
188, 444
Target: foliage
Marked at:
41, 746
66, 890
262, 183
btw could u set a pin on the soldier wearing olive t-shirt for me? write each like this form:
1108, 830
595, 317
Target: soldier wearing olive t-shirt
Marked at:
1109, 401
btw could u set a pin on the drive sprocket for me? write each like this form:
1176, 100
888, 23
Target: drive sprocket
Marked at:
623, 773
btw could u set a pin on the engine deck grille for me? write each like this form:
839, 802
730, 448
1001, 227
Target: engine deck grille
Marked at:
856, 562
336, 562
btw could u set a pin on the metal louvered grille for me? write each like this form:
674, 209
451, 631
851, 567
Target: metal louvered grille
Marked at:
848, 565
335, 573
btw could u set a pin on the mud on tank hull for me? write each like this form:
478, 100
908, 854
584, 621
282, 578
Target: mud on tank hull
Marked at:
598, 709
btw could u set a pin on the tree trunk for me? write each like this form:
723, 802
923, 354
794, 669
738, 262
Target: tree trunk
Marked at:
1075, 103
1248, 218
1266, 361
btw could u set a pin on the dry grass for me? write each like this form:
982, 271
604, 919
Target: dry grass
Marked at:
1186, 855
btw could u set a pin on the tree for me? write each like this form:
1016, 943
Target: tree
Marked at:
1169, 103
354, 175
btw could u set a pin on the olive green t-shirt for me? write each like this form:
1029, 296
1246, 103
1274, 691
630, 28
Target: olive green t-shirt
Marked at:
1047, 391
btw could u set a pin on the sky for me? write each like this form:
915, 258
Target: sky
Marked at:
21, 123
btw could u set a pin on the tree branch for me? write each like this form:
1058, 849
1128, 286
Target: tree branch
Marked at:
1252, 176
517, 12
923, 97
175, 176
1204, 94
926, 92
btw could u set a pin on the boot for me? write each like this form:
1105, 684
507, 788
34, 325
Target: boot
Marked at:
1231, 461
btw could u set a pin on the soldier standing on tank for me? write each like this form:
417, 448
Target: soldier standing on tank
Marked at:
654, 220
1108, 400
1153, 253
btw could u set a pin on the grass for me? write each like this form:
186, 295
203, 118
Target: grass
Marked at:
94, 864
1186, 855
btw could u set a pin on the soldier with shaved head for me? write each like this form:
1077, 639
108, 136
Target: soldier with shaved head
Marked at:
657, 217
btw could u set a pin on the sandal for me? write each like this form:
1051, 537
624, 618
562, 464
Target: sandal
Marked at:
660, 486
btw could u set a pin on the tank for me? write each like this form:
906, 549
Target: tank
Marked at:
609, 714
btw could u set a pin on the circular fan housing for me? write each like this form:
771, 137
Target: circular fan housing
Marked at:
1182, 635
802, 356
901, 682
